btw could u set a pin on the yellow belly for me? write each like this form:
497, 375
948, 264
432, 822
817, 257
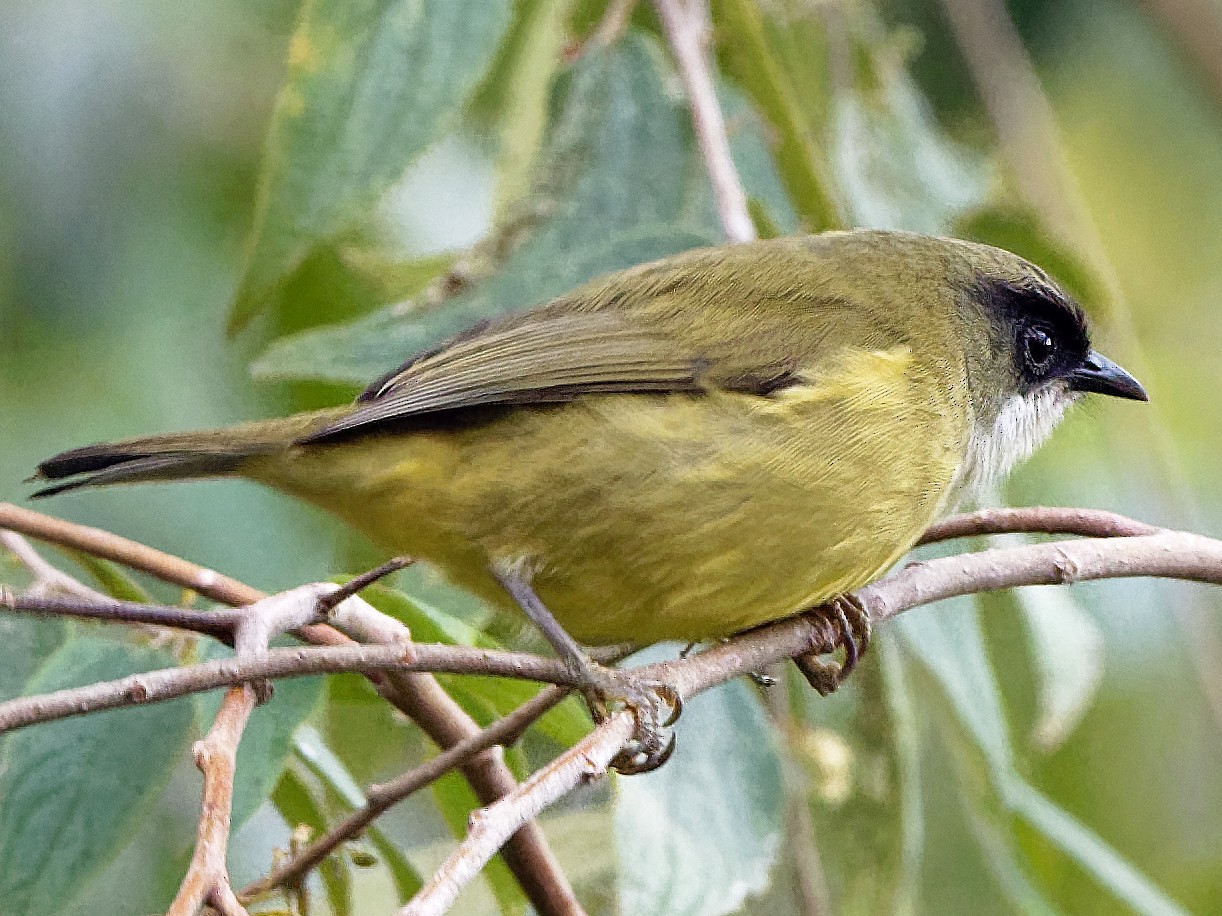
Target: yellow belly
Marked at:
660, 517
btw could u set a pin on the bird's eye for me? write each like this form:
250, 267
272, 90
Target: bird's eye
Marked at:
1038, 348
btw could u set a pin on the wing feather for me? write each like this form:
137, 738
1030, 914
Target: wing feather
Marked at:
549, 359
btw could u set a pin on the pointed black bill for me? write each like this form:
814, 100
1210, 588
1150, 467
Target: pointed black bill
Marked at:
1101, 375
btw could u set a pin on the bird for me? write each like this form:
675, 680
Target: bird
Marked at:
688, 448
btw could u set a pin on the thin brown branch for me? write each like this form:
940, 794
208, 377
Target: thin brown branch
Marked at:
207, 878
612, 26
686, 25
1095, 523
1169, 554
1163, 554
329, 602
492, 826
215, 756
218, 624
99, 543
170, 683
504, 732
417, 696
47, 578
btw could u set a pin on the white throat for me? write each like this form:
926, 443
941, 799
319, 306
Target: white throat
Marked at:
1021, 425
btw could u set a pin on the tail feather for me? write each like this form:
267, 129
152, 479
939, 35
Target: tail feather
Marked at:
181, 456
138, 469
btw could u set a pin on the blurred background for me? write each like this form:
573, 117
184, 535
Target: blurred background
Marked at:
130, 141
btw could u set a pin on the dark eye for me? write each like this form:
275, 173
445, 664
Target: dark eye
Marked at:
1038, 348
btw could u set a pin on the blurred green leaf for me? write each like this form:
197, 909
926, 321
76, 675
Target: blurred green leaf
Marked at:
514, 96
319, 759
865, 792
755, 64
1108, 868
1067, 654
456, 801
619, 129
312, 750
394, 277
25, 643
111, 578
991, 828
370, 84
947, 641
896, 170
700, 835
74, 790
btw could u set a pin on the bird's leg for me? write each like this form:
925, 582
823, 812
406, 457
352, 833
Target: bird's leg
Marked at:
585, 672
852, 624
656, 705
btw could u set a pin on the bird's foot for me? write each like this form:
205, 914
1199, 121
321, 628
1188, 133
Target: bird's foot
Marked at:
851, 625
657, 707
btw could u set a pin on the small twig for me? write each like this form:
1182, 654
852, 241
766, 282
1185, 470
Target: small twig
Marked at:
169, 683
99, 543
612, 26
1168, 554
1163, 553
218, 624
215, 756
492, 826
329, 602
1095, 523
47, 578
207, 878
686, 28
504, 732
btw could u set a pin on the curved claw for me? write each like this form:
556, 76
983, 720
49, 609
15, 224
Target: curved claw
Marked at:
654, 741
852, 625
637, 759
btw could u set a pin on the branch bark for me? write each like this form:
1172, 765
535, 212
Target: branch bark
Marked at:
491, 827
419, 697
207, 877
169, 683
502, 733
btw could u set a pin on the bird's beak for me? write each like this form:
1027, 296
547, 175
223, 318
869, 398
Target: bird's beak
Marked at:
1101, 375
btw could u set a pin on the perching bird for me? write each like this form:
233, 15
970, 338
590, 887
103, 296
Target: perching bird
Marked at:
688, 448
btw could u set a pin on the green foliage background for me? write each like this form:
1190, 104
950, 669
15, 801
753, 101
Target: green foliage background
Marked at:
348, 182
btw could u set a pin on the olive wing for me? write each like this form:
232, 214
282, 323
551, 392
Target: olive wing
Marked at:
543, 358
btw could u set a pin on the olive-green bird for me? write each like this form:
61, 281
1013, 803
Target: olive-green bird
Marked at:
687, 448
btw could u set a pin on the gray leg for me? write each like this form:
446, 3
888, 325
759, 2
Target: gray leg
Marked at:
564, 644
656, 706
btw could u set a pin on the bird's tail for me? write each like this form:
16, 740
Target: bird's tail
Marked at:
178, 456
